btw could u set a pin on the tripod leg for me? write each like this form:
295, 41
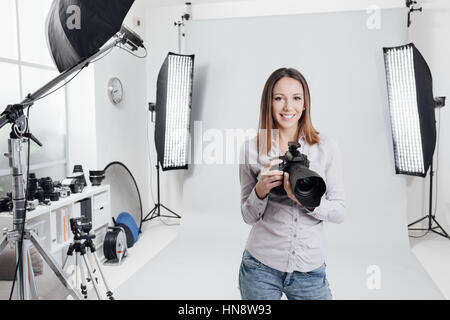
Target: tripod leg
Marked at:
3, 243
77, 279
30, 279
83, 285
109, 293
86, 262
91, 262
413, 223
65, 262
445, 234
20, 271
176, 215
25, 272
150, 214
54, 266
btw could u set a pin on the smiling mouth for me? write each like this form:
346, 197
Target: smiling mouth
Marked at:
287, 116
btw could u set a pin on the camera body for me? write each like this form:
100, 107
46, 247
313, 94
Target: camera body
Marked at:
292, 157
307, 186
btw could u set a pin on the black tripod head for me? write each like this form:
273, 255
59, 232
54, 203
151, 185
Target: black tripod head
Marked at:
14, 115
81, 228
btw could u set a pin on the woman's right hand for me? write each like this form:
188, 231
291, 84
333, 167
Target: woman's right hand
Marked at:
268, 179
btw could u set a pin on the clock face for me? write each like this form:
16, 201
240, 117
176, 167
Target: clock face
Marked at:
115, 90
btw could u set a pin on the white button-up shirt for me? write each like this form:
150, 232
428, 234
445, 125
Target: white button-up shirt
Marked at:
286, 236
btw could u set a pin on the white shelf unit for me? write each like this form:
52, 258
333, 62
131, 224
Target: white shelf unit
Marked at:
55, 233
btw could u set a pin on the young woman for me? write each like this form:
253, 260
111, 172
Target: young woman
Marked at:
285, 250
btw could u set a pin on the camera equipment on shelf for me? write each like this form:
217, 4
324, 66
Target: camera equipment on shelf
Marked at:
32, 205
96, 177
49, 190
6, 204
44, 190
307, 186
115, 245
34, 189
64, 191
84, 247
76, 182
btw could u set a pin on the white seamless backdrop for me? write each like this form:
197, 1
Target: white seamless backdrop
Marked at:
342, 60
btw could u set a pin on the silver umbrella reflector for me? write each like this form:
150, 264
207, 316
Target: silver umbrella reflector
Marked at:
76, 29
125, 195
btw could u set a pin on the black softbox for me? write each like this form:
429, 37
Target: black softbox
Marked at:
173, 110
412, 109
76, 29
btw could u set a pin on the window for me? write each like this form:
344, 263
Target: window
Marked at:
26, 66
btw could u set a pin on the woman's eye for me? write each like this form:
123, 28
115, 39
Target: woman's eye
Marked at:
277, 98
298, 98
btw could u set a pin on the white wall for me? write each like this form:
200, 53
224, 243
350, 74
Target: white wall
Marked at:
121, 129
100, 132
233, 9
429, 31
81, 122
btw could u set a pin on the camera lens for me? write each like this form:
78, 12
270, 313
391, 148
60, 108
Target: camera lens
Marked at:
304, 186
47, 185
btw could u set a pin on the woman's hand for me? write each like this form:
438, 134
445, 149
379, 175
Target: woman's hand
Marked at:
288, 188
268, 179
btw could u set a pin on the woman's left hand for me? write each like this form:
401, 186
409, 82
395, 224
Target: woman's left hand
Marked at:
288, 188
290, 193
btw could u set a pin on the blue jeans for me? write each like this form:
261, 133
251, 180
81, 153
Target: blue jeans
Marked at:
260, 282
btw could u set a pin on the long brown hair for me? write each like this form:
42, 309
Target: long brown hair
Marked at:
266, 121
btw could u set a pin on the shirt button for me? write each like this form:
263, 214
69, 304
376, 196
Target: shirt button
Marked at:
295, 219
293, 252
295, 236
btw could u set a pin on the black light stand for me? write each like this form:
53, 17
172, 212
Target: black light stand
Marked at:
431, 218
440, 102
156, 211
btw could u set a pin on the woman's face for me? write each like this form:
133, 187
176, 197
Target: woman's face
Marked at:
287, 103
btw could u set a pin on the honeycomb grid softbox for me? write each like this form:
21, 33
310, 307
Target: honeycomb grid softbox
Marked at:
412, 109
173, 109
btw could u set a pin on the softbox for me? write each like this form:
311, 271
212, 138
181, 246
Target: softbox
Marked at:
76, 29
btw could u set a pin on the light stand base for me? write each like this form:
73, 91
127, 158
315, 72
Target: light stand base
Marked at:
156, 213
431, 219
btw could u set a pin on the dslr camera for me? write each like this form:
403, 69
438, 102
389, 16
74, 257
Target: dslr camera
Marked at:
307, 186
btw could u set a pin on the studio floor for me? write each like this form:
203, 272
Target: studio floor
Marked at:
200, 263
190, 260
433, 251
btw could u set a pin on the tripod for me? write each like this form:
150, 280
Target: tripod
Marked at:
22, 238
156, 211
84, 247
431, 218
